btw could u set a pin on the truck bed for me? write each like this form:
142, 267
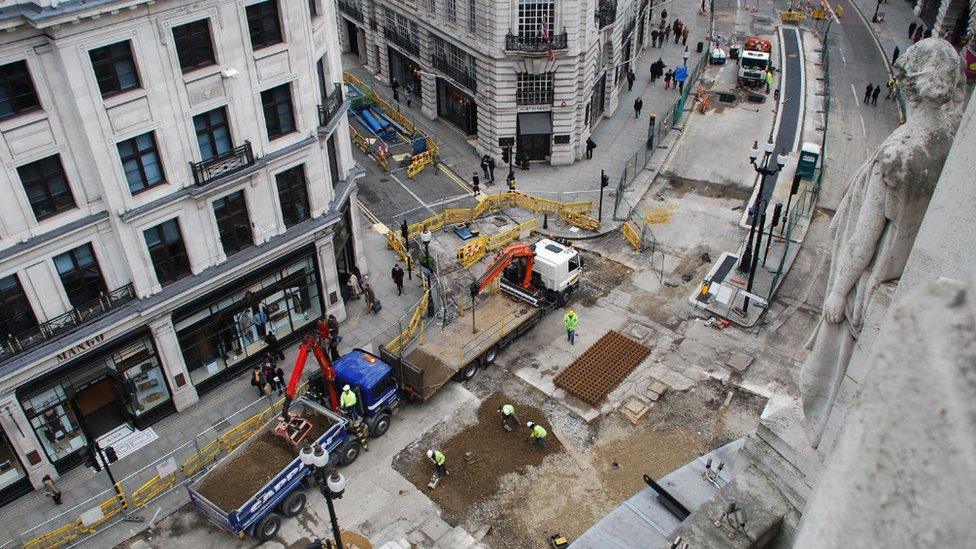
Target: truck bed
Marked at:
445, 351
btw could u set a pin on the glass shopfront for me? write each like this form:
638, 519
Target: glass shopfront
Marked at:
13, 481
405, 71
222, 331
124, 383
457, 107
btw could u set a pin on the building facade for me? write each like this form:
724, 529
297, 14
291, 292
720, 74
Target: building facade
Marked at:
535, 74
177, 179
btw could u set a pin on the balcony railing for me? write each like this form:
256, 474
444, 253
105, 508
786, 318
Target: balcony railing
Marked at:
231, 161
332, 106
536, 44
404, 42
466, 79
606, 12
533, 97
351, 8
15, 344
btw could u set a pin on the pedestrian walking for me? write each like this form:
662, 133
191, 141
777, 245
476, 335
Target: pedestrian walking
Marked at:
927, 33
918, 34
484, 167
875, 94
667, 34
408, 95
664, 17
590, 145
867, 93
571, 321
397, 275
352, 284
268, 368
537, 433
475, 183
668, 76
509, 419
678, 27
894, 55
911, 29
510, 179
891, 89
680, 75
334, 349
396, 96
347, 403
491, 169
370, 298
259, 383
630, 79
685, 56
279, 379
654, 35
657, 69
51, 489
273, 347
439, 461
684, 36
638, 105
334, 328
768, 78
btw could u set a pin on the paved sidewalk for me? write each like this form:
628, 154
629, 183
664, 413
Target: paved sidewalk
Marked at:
893, 31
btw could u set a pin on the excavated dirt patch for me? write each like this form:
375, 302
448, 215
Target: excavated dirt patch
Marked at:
237, 480
600, 276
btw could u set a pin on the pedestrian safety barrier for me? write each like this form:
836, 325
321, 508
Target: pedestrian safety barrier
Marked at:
631, 235
68, 533
791, 16
414, 329
472, 252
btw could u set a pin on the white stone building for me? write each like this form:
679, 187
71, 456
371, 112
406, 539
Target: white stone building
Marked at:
176, 182
484, 66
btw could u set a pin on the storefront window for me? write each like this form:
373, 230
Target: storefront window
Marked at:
232, 328
143, 381
10, 469
52, 419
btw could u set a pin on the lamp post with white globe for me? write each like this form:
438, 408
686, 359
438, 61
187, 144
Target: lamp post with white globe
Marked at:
331, 484
747, 263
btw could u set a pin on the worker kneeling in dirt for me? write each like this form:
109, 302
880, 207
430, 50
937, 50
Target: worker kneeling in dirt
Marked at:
537, 433
438, 460
347, 401
509, 419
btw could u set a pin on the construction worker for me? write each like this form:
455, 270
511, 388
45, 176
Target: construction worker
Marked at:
347, 401
438, 459
508, 416
571, 321
537, 433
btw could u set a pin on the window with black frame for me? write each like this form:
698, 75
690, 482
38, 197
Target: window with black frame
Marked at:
140, 162
279, 114
115, 68
194, 47
293, 195
263, 24
47, 187
168, 253
233, 223
17, 93
80, 275
16, 314
213, 133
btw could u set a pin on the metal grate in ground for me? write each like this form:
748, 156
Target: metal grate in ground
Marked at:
602, 367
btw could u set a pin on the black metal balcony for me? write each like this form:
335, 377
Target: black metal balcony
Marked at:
533, 97
536, 44
15, 344
404, 42
465, 78
606, 12
332, 106
231, 161
352, 9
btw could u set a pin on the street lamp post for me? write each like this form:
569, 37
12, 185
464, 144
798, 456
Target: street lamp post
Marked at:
332, 485
426, 237
748, 263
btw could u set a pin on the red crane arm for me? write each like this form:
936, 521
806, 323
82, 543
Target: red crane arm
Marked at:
503, 260
310, 345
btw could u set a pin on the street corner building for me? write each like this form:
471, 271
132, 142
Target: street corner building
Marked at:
177, 180
536, 75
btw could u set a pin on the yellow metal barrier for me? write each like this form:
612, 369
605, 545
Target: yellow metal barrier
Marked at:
394, 242
580, 220
472, 252
358, 139
355, 81
396, 116
631, 236
56, 538
110, 508
415, 326
207, 455
237, 435
149, 491
420, 161
791, 16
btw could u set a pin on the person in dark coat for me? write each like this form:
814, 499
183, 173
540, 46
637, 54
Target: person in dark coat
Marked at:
927, 33
333, 327
397, 275
894, 55
273, 347
257, 381
268, 371
334, 349
590, 145
654, 38
491, 169
484, 167
875, 94
630, 79
638, 105
918, 34
867, 93
911, 29
279, 375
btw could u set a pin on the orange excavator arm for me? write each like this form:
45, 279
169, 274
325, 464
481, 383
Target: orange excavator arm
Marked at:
311, 345
502, 261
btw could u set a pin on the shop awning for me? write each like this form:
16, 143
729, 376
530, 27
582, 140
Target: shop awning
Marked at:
534, 123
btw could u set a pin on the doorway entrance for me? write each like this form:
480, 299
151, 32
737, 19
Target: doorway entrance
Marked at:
98, 404
534, 130
352, 31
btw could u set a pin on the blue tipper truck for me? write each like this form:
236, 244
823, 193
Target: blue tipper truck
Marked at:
262, 511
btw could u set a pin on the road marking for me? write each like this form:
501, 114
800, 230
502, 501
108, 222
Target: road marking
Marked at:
437, 204
417, 198
454, 177
368, 213
854, 91
863, 128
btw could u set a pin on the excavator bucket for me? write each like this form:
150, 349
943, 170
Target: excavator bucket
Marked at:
294, 429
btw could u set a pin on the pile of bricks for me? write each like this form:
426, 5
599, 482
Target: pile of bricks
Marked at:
602, 367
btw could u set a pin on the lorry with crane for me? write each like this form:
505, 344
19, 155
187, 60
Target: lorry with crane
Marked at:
754, 61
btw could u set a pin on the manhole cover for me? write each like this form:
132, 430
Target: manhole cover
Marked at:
726, 97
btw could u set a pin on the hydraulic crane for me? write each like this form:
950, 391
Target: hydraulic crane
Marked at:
293, 427
502, 261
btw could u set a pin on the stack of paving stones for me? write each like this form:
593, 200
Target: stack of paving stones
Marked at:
602, 367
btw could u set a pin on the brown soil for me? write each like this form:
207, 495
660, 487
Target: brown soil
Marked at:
600, 276
236, 481
495, 453
436, 373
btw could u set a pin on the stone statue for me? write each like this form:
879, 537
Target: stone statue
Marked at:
878, 218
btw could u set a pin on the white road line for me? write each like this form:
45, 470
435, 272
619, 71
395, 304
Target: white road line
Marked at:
417, 198
854, 91
841, 50
863, 128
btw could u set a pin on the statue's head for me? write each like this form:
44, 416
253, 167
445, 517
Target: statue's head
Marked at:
929, 72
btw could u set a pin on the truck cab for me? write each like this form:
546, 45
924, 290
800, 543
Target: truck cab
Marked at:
752, 67
557, 270
374, 384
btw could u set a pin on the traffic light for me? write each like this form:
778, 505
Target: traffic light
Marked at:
777, 211
795, 187
506, 155
110, 455
604, 180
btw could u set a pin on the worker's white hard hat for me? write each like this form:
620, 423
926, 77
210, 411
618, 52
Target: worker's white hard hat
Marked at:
346, 388
430, 453
529, 424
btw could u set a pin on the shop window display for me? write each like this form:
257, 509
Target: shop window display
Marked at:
51, 418
10, 469
143, 381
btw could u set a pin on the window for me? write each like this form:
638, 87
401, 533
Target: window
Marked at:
429, 4
534, 89
17, 93
293, 195
46, 187
262, 21
80, 275
451, 7
165, 242
16, 315
279, 117
115, 69
333, 159
322, 71
472, 15
193, 45
533, 15
233, 223
140, 160
213, 133
313, 8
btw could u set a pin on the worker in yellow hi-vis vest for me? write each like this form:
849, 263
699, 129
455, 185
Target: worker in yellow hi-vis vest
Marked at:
538, 434
509, 419
347, 402
438, 459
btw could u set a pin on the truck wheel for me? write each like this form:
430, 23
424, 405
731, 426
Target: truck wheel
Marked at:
469, 372
490, 356
268, 528
293, 504
349, 453
381, 425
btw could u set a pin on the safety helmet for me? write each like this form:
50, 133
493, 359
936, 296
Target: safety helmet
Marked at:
529, 424
346, 388
430, 453
572, 312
